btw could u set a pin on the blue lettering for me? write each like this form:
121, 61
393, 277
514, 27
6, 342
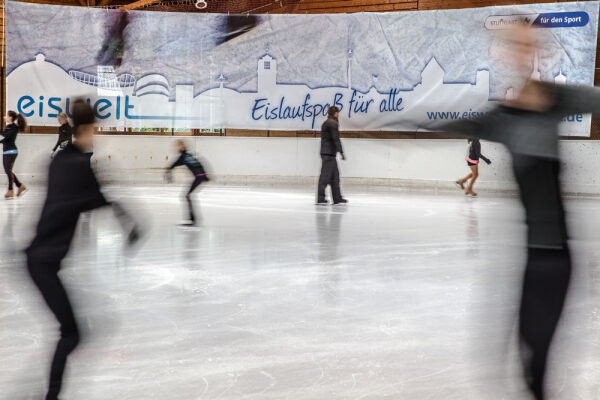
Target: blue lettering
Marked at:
22, 107
257, 108
127, 107
56, 108
41, 111
100, 106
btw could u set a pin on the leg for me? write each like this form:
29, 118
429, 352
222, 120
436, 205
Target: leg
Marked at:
324, 178
474, 175
463, 180
7, 162
45, 277
188, 197
335, 182
545, 287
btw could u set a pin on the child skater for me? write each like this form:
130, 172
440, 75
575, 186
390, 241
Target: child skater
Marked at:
15, 123
72, 189
64, 134
196, 168
473, 157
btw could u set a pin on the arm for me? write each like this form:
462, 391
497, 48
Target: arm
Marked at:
335, 135
574, 99
484, 158
57, 144
177, 163
91, 197
9, 134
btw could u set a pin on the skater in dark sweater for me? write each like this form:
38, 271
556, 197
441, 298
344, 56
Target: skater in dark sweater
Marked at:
473, 157
330, 146
528, 127
196, 169
72, 189
64, 134
15, 123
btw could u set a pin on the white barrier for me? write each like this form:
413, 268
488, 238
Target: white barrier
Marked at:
433, 164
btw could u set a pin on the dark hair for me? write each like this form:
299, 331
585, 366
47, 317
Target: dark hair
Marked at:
81, 114
18, 119
331, 112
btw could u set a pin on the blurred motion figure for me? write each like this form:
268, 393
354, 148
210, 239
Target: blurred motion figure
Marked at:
528, 126
72, 189
196, 169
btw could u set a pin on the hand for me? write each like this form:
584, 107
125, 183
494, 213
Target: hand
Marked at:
52, 154
134, 236
343, 157
488, 162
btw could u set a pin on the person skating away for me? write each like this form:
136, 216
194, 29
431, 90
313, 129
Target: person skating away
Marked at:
330, 146
15, 123
65, 134
72, 189
196, 169
473, 156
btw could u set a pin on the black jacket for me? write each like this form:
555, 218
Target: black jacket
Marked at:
475, 152
330, 138
64, 135
192, 163
72, 189
10, 135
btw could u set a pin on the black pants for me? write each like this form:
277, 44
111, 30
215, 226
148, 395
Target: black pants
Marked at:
45, 276
9, 162
195, 184
330, 175
545, 288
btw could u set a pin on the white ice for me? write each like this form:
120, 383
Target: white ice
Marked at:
399, 295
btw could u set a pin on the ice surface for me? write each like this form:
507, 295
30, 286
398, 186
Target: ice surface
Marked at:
398, 295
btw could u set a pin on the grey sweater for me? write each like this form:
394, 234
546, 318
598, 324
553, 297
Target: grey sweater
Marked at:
532, 139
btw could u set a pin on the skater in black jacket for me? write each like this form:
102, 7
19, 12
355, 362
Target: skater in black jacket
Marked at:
196, 169
72, 189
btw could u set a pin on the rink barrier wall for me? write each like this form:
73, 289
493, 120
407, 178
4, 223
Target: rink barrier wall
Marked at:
386, 164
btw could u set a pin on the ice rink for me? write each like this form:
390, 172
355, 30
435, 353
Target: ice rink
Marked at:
399, 295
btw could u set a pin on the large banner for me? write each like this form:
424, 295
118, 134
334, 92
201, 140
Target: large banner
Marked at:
386, 71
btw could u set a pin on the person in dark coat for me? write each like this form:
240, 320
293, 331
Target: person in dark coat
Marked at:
15, 123
330, 146
72, 189
473, 156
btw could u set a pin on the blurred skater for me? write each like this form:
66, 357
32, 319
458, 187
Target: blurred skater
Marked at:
473, 157
528, 127
72, 189
15, 123
196, 169
113, 47
64, 134
330, 146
